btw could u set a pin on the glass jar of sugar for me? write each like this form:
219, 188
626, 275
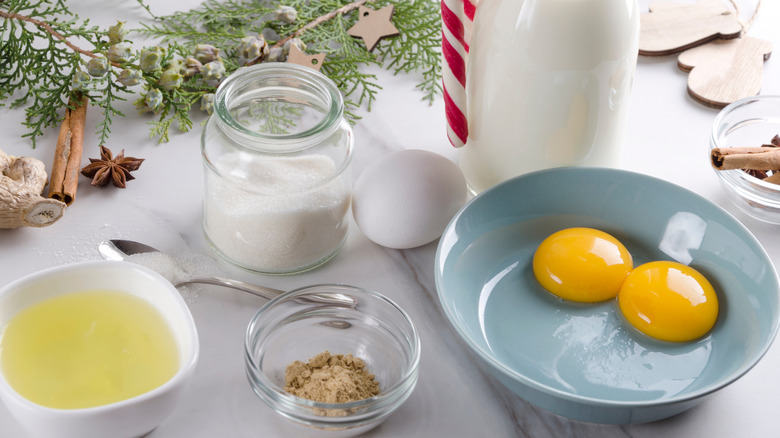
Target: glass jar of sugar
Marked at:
277, 182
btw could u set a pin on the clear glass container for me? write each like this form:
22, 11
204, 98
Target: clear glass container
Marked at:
340, 319
548, 84
277, 183
751, 122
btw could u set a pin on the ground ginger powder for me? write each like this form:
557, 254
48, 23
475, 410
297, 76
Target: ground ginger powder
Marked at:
330, 378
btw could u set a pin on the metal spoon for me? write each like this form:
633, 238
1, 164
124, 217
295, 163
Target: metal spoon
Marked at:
120, 249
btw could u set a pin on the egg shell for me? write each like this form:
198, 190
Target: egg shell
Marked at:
405, 199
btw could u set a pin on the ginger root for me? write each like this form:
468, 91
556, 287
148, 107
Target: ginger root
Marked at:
21, 183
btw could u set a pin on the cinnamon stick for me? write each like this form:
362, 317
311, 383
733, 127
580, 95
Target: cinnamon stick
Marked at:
756, 158
773, 178
67, 156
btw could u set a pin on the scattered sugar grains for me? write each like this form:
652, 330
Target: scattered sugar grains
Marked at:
330, 378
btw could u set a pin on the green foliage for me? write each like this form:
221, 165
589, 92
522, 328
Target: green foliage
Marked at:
344, 55
40, 67
219, 23
416, 50
105, 98
270, 117
37, 69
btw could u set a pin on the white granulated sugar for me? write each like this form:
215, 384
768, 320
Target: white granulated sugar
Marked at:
286, 219
278, 175
178, 269
163, 264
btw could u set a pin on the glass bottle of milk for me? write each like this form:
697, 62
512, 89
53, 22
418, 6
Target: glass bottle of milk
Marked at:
548, 85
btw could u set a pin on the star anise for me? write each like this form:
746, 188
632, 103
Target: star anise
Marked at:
109, 168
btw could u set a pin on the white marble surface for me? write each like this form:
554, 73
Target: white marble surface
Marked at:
667, 138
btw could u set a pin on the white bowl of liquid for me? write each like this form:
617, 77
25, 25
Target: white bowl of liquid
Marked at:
109, 349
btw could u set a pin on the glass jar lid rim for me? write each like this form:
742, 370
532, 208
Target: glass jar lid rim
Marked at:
321, 86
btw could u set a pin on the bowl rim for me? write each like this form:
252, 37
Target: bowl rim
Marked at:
186, 366
287, 403
741, 183
591, 400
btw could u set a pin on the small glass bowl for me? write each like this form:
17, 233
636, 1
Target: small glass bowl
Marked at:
340, 319
751, 122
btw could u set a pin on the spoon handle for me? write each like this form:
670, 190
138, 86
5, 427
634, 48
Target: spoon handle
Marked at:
261, 291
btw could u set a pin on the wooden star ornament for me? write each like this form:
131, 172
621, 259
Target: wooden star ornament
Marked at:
296, 56
373, 25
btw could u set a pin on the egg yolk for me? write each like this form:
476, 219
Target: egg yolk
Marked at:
669, 301
582, 264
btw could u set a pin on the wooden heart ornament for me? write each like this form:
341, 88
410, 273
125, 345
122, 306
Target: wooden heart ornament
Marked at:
725, 71
724, 64
297, 56
672, 27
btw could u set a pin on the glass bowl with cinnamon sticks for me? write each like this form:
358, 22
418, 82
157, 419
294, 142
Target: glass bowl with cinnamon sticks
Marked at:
745, 154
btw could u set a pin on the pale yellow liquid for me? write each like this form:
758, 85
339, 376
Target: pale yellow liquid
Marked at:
86, 349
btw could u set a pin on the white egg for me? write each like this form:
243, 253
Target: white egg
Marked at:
406, 198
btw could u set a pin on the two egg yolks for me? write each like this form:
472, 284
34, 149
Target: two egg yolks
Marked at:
665, 300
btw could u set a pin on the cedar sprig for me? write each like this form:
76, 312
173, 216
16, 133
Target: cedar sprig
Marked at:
176, 109
37, 69
176, 103
344, 60
39, 76
221, 23
106, 96
417, 48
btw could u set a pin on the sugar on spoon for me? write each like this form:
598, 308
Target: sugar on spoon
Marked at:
120, 250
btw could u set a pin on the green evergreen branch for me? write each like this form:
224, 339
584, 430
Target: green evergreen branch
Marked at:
43, 67
220, 23
417, 46
146, 7
105, 100
35, 66
161, 128
323, 26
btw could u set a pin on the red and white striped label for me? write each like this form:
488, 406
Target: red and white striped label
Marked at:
457, 18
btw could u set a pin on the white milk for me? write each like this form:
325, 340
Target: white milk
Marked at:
548, 85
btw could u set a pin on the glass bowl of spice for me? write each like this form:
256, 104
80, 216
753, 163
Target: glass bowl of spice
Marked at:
745, 153
333, 359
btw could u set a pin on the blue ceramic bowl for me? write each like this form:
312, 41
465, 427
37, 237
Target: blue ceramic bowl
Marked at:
582, 361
